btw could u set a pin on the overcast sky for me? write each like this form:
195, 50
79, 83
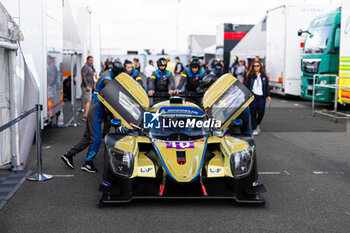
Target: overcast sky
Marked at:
138, 24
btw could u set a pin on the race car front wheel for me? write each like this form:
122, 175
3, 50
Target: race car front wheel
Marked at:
243, 188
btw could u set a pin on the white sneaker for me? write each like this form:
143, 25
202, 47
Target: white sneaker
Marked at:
255, 132
258, 129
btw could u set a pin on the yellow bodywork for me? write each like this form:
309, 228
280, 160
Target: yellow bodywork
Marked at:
194, 159
143, 166
218, 166
216, 90
135, 90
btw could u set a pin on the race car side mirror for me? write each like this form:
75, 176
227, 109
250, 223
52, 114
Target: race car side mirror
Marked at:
116, 122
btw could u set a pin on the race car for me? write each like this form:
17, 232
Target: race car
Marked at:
176, 149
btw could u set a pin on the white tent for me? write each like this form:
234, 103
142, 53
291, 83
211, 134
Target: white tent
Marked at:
253, 44
210, 50
9, 138
197, 43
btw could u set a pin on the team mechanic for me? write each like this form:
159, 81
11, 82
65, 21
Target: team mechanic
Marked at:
192, 79
97, 114
134, 73
161, 80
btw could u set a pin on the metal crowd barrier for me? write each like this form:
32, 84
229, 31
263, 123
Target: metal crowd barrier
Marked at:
39, 176
333, 113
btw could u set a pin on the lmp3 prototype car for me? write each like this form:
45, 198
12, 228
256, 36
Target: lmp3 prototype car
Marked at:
176, 149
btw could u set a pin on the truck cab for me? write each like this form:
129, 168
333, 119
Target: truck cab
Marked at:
321, 56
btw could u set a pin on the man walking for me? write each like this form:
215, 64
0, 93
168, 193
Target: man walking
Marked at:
87, 75
93, 132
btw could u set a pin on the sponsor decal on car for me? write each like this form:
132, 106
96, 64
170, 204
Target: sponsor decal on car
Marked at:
180, 145
215, 170
146, 169
153, 120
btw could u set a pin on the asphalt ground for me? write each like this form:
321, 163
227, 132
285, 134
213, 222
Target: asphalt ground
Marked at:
306, 173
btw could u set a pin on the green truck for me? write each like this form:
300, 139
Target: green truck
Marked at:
321, 56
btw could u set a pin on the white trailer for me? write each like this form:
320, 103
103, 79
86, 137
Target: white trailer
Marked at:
51, 34
344, 54
284, 46
42, 25
252, 45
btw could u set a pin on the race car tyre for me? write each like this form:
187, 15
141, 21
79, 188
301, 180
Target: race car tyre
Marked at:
243, 188
121, 188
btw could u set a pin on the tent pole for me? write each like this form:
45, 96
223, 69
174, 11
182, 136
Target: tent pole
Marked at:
14, 110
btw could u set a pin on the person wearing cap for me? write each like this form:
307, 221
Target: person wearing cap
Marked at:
218, 67
192, 78
161, 80
234, 65
134, 73
93, 131
170, 66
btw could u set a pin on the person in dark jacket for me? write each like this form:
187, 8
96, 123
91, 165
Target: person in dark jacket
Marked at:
234, 65
93, 133
134, 73
161, 80
258, 84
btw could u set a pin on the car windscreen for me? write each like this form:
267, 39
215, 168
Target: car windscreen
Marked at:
317, 40
228, 103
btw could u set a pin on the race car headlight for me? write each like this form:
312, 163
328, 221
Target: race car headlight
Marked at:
122, 162
241, 162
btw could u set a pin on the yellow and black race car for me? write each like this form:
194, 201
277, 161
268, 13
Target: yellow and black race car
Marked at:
176, 149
